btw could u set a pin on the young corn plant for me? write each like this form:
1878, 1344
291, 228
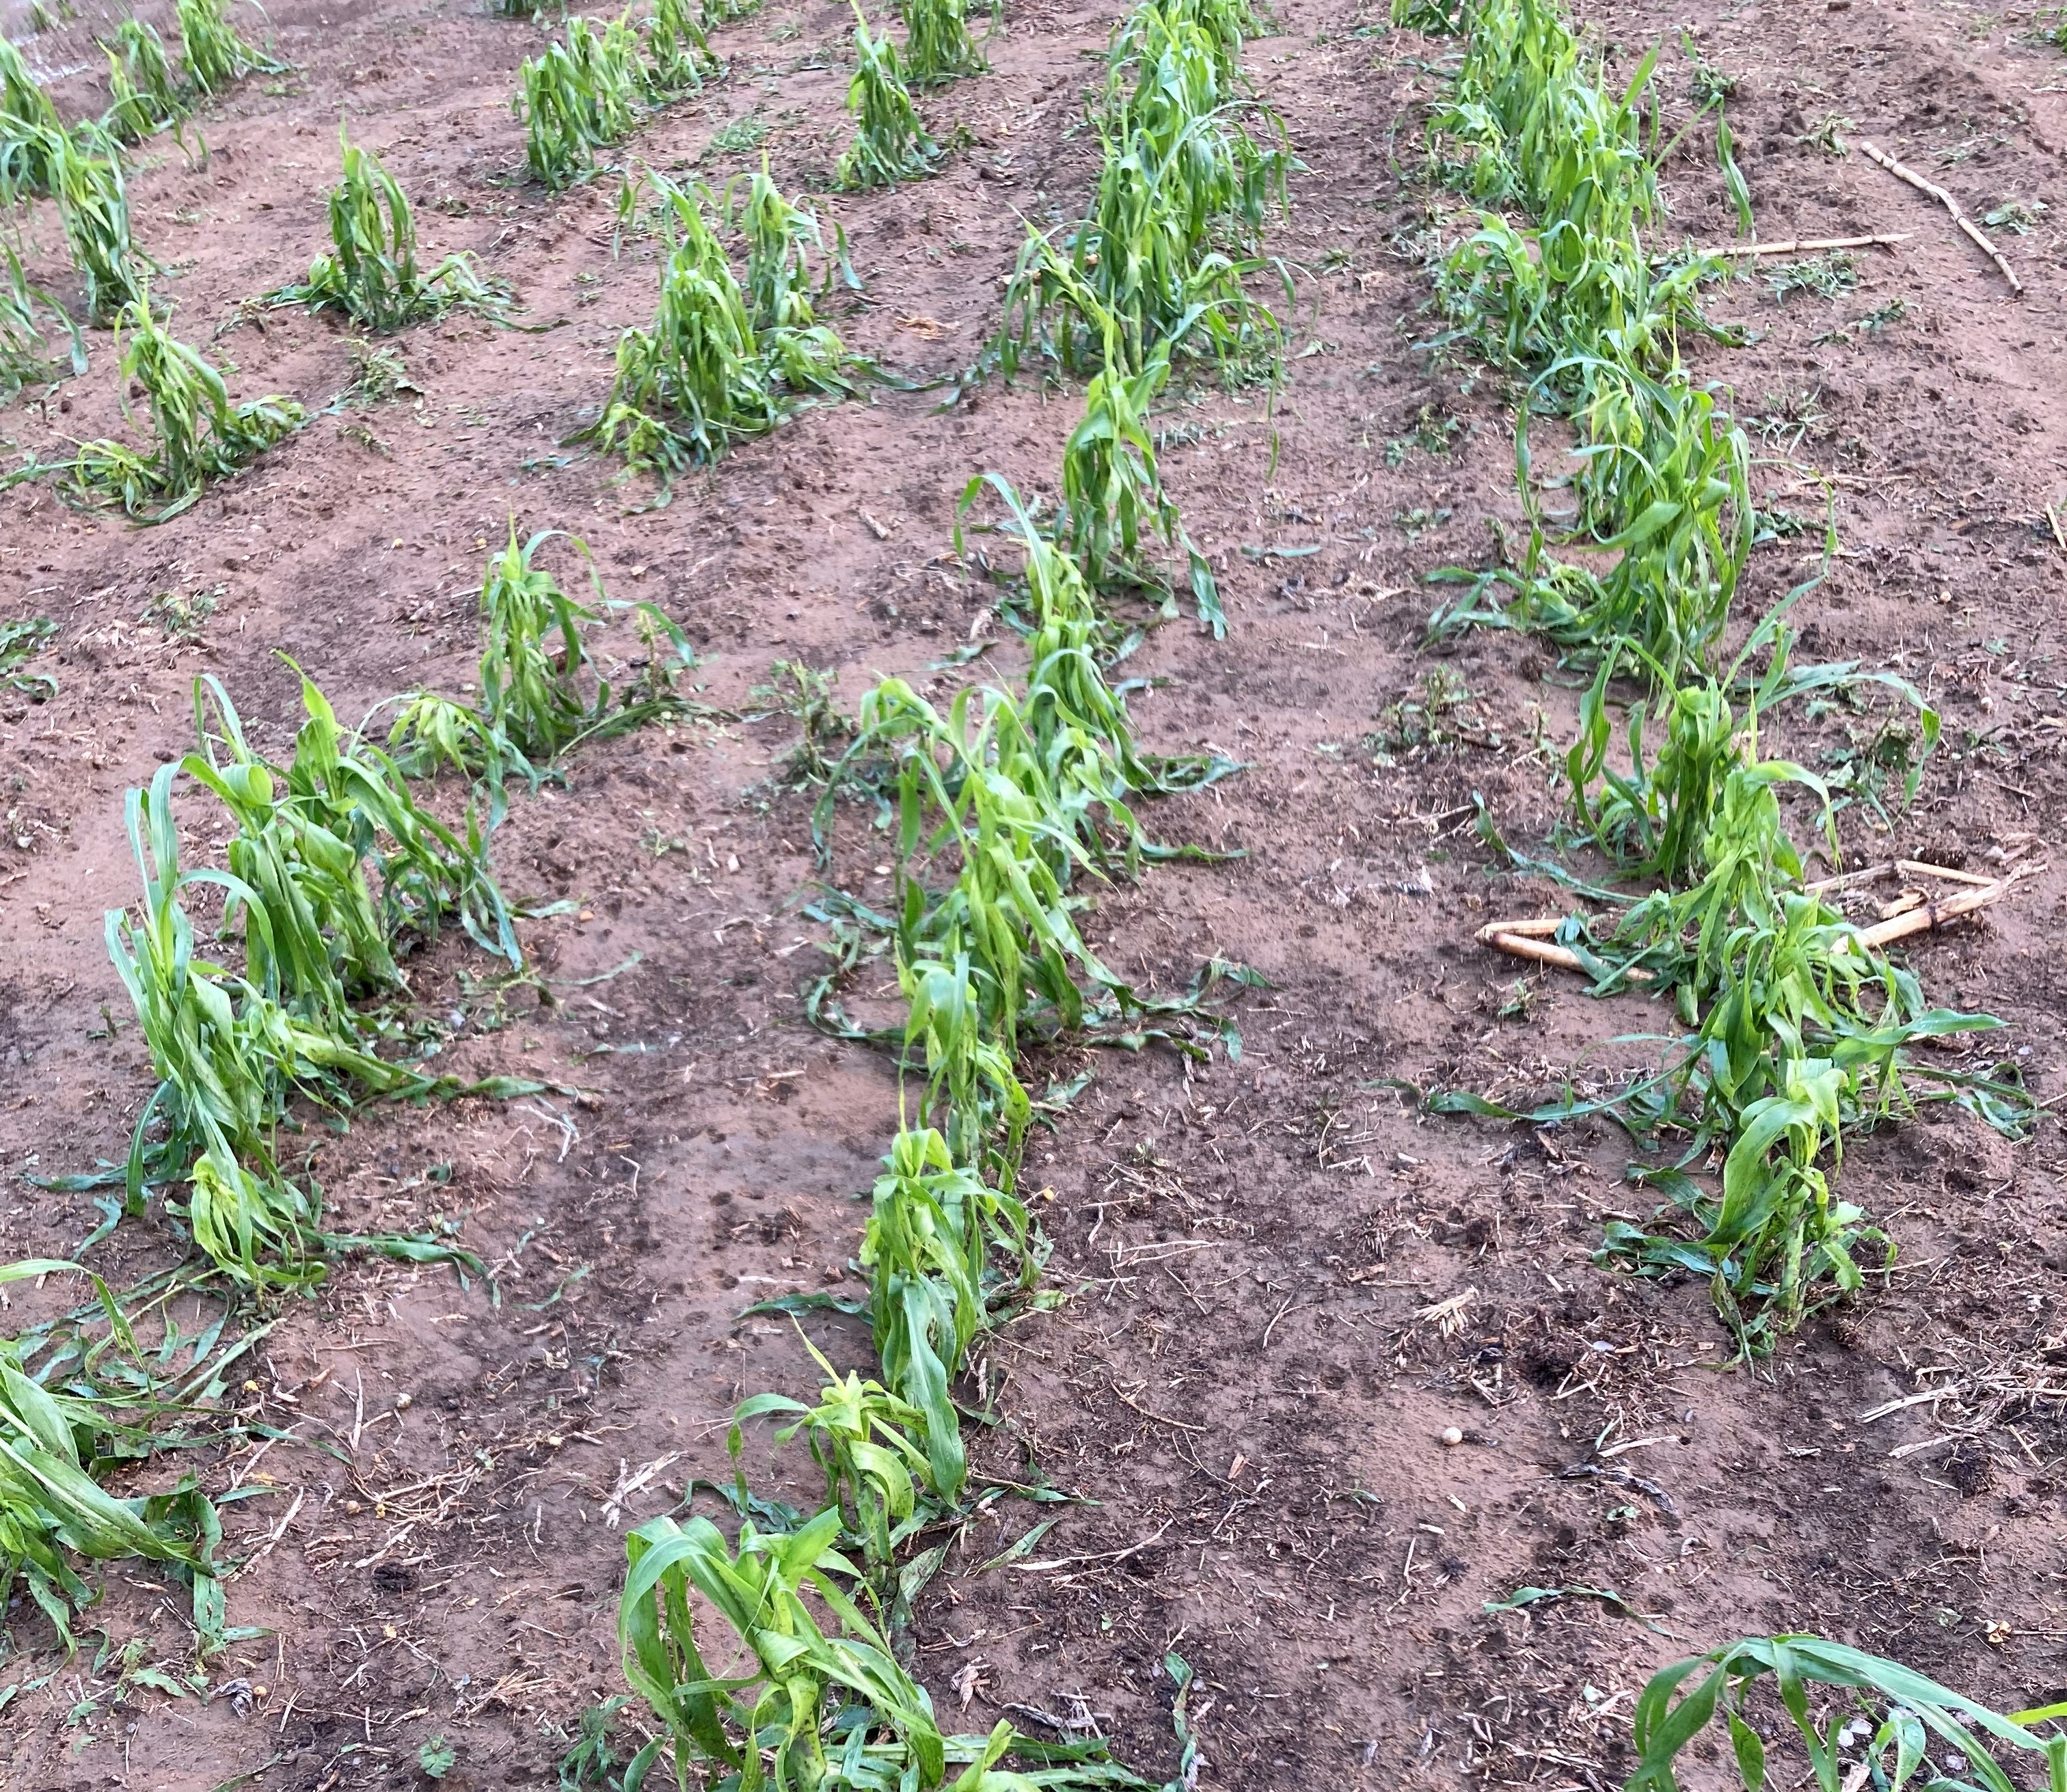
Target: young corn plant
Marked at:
30, 129
215, 55
577, 97
937, 47
1113, 495
705, 374
1664, 485
371, 274
145, 98
890, 141
93, 205
201, 435
806, 1710
679, 58
1887, 1725
24, 359
71, 1407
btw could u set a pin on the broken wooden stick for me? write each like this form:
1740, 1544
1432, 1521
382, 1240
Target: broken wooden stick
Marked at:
1872, 153
1814, 246
1530, 938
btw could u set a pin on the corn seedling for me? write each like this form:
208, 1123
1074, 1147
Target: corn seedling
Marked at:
679, 58
144, 96
726, 12
93, 204
1887, 1721
22, 357
795, 689
890, 142
215, 55
28, 129
201, 435
371, 274
937, 49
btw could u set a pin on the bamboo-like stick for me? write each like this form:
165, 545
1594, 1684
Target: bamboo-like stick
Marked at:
1950, 204
1814, 246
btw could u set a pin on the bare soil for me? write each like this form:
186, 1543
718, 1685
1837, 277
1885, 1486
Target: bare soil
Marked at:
1286, 1285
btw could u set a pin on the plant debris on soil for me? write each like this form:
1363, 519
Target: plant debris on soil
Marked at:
1331, 1399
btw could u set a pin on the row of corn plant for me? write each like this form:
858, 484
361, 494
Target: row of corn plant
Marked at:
588, 92
723, 360
1793, 1032
1004, 809
1000, 807
335, 873
372, 273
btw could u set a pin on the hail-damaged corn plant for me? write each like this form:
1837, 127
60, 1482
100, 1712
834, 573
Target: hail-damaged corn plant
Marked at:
30, 128
144, 96
577, 97
541, 693
1663, 485
1909, 1730
93, 206
714, 368
937, 46
679, 58
200, 435
232, 1050
79, 1396
1182, 178
821, 1701
889, 140
215, 54
24, 357
371, 274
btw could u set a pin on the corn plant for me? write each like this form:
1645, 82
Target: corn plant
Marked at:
76, 1412
215, 55
93, 205
371, 274
30, 128
577, 97
679, 58
1901, 1728
1665, 486
725, 12
201, 435
890, 142
860, 1435
937, 49
23, 359
704, 374
145, 97
542, 692
1112, 491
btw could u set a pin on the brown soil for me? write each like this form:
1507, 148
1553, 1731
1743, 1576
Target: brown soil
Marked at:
1286, 1286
